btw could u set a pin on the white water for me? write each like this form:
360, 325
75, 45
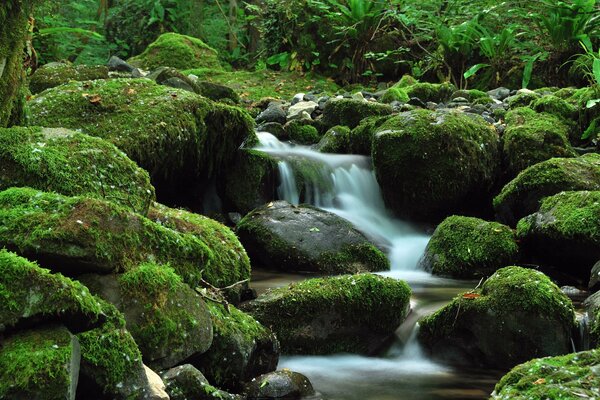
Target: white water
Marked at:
352, 193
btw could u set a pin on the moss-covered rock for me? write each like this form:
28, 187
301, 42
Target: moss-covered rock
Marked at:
180, 138
301, 132
284, 384
56, 73
186, 382
518, 314
350, 313
521, 196
168, 320
565, 232
73, 164
436, 92
39, 364
242, 348
349, 112
395, 94
573, 376
29, 293
251, 182
592, 308
465, 247
472, 95
177, 51
556, 106
303, 238
431, 164
335, 140
229, 264
406, 81
532, 137
360, 139
78, 234
522, 99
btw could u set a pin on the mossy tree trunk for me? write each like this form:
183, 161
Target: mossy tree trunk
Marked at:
14, 16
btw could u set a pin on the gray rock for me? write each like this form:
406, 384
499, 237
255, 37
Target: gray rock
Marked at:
185, 382
310, 97
594, 284
274, 128
273, 113
178, 83
116, 64
500, 93
137, 73
297, 110
297, 98
284, 384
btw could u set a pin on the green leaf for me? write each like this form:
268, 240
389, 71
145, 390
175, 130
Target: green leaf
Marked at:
528, 70
590, 131
592, 103
314, 230
596, 69
473, 70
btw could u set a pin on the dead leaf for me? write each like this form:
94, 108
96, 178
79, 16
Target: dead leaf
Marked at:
270, 205
471, 296
130, 91
540, 381
174, 95
95, 99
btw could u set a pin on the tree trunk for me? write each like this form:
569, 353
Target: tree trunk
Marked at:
14, 16
233, 10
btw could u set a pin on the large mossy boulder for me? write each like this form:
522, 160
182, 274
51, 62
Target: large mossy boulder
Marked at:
56, 73
39, 364
78, 234
518, 314
177, 51
350, 313
229, 264
186, 382
532, 137
73, 164
432, 164
565, 232
349, 112
435, 92
522, 196
335, 140
242, 348
168, 320
360, 139
179, 137
573, 376
306, 239
467, 248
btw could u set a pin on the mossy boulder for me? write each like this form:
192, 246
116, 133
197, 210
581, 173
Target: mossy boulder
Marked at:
406, 81
168, 320
592, 308
565, 232
39, 364
250, 182
301, 132
518, 314
556, 106
472, 95
350, 112
177, 51
79, 234
73, 164
573, 376
180, 138
56, 73
360, 139
430, 164
242, 348
284, 384
523, 98
304, 238
350, 313
522, 196
395, 94
532, 137
186, 382
435, 92
335, 140
31, 294
467, 248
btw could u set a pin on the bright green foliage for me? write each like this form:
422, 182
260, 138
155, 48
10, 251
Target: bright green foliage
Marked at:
465, 247
71, 163
93, 235
565, 377
351, 112
229, 264
177, 51
55, 74
395, 94
355, 306
39, 364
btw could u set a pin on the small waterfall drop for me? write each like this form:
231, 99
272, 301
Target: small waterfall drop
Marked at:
346, 185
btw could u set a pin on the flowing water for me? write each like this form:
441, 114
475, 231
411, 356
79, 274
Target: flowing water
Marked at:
346, 185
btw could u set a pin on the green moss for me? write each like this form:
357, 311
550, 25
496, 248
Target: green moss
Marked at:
335, 140
55, 74
361, 254
473, 95
556, 106
465, 247
177, 51
90, 234
436, 92
522, 99
406, 81
229, 264
349, 304
301, 132
29, 291
38, 364
350, 113
184, 135
72, 163
395, 94
565, 377
360, 139
532, 137
521, 196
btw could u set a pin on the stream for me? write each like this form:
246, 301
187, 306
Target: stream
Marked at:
346, 185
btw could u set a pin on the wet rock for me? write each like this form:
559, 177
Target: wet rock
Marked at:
283, 384
303, 238
186, 382
500, 93
302, 131
273, 113
297, 110
274, 128
350, 313
518, 314
594, 284
116, 64
592, 308
335, 140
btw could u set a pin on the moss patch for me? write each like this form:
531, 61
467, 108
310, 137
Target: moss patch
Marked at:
301, 132
349, 112
335, 140
72, 163
55, 74
395, 94
436, 92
